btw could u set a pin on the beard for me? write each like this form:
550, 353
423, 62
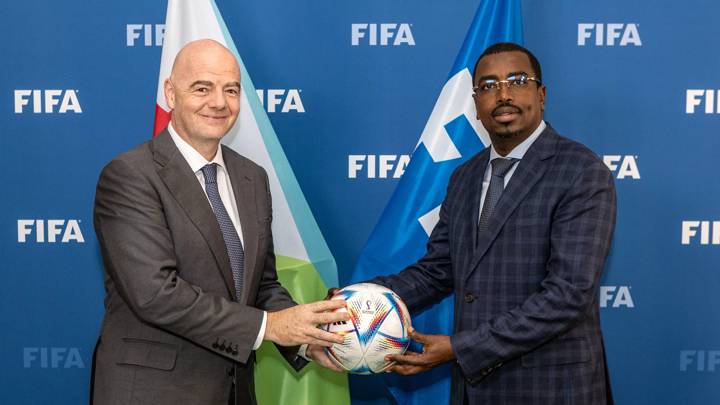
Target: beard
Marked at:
507, 134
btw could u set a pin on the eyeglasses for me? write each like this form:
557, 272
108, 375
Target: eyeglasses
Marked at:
513, 82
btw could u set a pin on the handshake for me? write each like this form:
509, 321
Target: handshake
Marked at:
372, 331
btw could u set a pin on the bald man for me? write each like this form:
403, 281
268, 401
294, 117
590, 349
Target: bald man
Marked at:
184, 229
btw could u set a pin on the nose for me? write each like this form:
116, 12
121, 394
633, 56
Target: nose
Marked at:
217, 99
504, 94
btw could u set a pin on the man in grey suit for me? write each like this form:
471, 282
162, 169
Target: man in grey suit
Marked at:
522, 239
184, 229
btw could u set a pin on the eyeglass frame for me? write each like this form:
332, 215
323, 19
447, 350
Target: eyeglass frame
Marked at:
497, 84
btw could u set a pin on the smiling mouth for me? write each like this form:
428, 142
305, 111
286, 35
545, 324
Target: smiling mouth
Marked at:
213, 118
505, 117
505, 114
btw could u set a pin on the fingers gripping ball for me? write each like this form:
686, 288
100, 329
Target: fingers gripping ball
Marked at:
378, 326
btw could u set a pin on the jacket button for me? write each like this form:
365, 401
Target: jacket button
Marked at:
215, 345
469, 298
228, 350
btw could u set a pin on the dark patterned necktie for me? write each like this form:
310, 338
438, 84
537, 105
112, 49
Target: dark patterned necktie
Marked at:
500, 167
229, 234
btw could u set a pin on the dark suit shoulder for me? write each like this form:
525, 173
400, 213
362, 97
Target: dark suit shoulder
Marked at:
241, 161
577, 157
136, 158
141, 152
476, 162
574, 148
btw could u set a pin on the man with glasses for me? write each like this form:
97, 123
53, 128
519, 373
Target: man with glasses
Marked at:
522, 240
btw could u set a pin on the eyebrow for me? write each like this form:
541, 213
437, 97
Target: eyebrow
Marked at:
210, 84
493, 77
201, 83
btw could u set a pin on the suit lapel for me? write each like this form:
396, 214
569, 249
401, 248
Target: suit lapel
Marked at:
244, 191
184, 186
473, 210
528, 172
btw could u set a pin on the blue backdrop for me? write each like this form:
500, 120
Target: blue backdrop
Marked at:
635, 81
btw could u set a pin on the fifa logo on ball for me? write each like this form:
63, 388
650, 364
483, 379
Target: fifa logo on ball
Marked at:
378, 326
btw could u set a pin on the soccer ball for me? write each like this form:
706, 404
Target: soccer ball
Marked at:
378, 326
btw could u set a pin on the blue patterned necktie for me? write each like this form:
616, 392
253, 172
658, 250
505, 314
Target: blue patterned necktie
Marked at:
229, 234
500, 167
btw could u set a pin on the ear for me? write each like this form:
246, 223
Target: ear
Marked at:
541, 93
476, 102
169, 91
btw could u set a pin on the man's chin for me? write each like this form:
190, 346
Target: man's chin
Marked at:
505, 132
215, 133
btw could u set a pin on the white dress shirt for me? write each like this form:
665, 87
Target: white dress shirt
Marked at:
197, 162
518, 152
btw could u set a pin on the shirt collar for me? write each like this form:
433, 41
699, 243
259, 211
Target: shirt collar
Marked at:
519, 151
192, 156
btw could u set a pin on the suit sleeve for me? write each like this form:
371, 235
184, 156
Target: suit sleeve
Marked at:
139, 257
580, 237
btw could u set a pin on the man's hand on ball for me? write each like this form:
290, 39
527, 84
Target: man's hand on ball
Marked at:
436, 351
298, 325
319, 356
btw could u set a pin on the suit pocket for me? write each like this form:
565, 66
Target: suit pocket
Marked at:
558, 352
148, 353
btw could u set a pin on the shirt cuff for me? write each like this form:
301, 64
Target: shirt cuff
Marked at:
261, 334
302, 352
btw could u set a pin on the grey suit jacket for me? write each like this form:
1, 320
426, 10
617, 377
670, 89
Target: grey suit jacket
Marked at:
172, 333
527, 323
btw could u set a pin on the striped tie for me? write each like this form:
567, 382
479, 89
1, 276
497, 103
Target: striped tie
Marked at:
500, 167
230, 235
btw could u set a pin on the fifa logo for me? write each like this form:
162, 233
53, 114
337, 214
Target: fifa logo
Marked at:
367, 308
616, 296
50, 230
382, 34
709, 232
606, 34
622, 166
45, 101
377, 166
145, 31
709, 99
287, 100
700, 360
52, 357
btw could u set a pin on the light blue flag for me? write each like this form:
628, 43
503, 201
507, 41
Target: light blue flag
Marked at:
451, 136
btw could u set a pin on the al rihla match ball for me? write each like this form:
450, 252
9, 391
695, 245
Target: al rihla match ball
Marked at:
378, 326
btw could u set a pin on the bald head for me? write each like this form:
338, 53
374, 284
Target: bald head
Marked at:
203, 92
203, 51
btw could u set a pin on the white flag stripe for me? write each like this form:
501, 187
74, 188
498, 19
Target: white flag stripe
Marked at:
185, 21
430, 219
454, 100
245, 138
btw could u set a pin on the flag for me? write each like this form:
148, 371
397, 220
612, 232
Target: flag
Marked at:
305, 265
451, 136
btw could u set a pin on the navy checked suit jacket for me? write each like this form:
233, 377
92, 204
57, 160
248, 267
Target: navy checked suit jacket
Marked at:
527, 328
